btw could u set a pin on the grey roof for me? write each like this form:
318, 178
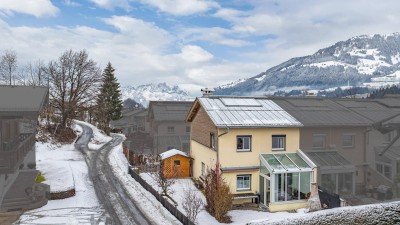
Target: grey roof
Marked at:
313, 112
374, 110
330, 160
246, 112
22, 99
163, 111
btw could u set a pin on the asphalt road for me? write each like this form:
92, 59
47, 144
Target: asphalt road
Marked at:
110, 192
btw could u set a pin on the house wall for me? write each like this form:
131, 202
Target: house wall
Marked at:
334, 141
161, 129
183, 170
201, 154
201, 128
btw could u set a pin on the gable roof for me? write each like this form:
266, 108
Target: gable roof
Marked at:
22, 100
162, 111
243, 112
319, 112
171, 153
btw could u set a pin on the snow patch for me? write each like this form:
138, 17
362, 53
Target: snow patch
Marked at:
171, 153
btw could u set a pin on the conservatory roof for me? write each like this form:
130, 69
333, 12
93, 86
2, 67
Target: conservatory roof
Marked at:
287, 162
330, 160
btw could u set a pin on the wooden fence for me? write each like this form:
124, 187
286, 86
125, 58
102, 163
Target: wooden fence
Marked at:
170, 207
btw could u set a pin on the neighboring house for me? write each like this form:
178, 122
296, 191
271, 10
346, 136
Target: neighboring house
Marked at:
382, 144
255, 145
333, 137
175, 164
132, 120
168, 128
19, 110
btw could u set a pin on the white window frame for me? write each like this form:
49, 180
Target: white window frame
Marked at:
279, 148
243, 176
353, 138
386, 169
243, 145
212, 140
324, 141
203, 169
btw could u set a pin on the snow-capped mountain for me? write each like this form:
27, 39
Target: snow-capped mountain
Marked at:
148, 92
369, 61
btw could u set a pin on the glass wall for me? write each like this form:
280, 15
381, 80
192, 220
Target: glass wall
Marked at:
292, 186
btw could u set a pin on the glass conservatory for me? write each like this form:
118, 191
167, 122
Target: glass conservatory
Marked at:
285, 177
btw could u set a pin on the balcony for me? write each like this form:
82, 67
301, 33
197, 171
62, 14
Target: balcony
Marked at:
14, 152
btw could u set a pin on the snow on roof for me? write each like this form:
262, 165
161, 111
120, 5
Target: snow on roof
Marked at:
247, 112
171, 153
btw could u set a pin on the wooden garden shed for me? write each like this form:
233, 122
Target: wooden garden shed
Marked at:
175, 163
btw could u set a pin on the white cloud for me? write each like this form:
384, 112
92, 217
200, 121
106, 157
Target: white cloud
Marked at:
216, 35
71, 3
111, 4
182, 7
192, 53
37, 8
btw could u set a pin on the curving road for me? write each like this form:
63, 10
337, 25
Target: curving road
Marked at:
109, 190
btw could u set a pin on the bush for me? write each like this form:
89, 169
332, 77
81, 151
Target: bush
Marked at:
218, 197
40, 178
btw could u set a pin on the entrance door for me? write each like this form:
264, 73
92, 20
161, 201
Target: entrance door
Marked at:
264, 190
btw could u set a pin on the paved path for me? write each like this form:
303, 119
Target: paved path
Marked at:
109, 190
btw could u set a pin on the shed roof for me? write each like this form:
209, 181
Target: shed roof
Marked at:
321, 112
245, 112
171, 153
22, 99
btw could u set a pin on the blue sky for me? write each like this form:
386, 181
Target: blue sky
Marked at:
192, 43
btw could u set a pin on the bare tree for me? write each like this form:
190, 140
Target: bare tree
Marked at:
35, 74
8, 66
163, 181
73, 81
192, 203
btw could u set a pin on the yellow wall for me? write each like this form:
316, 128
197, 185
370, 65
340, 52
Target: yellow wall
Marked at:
201, 153
261, 143
286, 206
230, 178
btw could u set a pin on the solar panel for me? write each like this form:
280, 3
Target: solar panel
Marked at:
244, 102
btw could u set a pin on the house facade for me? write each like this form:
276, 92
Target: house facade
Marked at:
168, 128
19, 110
333, 136
254, 144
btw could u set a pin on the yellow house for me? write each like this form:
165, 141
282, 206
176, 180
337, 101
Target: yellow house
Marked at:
256, 145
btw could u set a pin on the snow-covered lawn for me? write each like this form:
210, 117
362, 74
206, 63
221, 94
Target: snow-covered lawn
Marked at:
65, 168
239, 217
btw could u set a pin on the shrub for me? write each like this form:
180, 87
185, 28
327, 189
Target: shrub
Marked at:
40, 178
218, 197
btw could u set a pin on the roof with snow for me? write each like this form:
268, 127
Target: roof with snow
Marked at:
244, 112
22, 99
171, 153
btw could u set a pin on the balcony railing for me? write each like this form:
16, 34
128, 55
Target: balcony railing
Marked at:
14, 152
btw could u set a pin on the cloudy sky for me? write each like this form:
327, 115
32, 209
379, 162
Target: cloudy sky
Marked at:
193, 43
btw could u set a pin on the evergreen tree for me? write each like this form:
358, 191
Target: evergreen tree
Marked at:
109, 103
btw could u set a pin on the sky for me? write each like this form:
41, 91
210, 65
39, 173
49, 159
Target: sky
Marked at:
191, 43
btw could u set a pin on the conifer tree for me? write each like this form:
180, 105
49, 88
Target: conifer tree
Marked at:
109, 103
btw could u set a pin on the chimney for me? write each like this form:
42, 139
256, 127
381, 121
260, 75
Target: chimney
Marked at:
207, 92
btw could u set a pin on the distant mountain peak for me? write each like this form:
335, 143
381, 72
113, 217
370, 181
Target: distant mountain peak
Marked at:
365, 60
153, 92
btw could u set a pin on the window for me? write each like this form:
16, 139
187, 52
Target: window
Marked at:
171, 129
212, 140
203, 169
243, 182
348, 141
292, 186
388, 137
318, 141
278, 142
177, 163
187, 129
243, 143
384, 169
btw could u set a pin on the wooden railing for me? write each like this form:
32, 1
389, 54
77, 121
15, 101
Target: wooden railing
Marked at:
14, 154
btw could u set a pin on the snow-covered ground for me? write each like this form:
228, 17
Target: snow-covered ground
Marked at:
65, 168
239, 217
